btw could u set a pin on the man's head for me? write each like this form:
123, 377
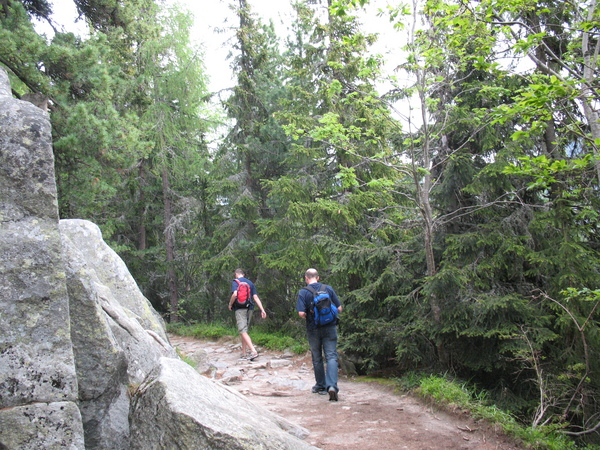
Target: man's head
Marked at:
239, 273
311, 276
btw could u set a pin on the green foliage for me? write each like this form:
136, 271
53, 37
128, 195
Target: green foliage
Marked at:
547, 172
445, 391
279, 342
213, 331
453, 393
22, 51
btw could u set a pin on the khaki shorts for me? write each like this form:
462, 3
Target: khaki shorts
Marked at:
242, 318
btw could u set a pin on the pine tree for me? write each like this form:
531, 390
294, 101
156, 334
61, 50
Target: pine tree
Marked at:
332, 204
252, 153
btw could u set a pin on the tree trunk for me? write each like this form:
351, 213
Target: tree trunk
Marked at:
590, 57
170, 246
594, 121
142, 203
543, 64
424, 187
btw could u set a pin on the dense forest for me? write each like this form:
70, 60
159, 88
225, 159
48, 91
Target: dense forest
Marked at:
455, 212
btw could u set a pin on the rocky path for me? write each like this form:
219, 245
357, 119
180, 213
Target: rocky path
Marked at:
367, 415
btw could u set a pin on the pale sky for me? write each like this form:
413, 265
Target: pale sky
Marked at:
214, 23
218, 16
213, 28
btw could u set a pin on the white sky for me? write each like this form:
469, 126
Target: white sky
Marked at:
218, 16
214, 21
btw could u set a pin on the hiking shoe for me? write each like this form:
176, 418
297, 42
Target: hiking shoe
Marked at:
333, 397
319, 390
253, 356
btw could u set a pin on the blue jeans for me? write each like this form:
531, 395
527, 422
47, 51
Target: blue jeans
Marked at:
324, 340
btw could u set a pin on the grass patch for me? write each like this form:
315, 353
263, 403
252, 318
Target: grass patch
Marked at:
186, 359
278, 342
213, 331
453, 394
268, 340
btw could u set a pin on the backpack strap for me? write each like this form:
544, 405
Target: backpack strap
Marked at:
311, 290
314, 294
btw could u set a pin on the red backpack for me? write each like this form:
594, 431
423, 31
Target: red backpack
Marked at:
243, 294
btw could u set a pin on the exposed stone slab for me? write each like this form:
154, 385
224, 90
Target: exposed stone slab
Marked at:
36, 357
41, 425
27, 184
178, 408
112, 272
112, 348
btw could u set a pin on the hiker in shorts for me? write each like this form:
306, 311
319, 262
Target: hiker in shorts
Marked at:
243, 314
321, 339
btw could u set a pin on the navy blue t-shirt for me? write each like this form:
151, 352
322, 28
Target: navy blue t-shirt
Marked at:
234, 287
304, 303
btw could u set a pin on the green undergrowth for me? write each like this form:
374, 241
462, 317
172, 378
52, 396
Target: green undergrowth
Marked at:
269, 340
212, 331
278, 341
192, 362
455, 395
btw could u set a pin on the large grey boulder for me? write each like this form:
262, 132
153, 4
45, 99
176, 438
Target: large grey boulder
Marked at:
118, 338
111, 271
118, 352
38, 384
176, 407
98, 277
42, 425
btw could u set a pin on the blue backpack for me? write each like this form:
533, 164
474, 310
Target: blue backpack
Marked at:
324, 311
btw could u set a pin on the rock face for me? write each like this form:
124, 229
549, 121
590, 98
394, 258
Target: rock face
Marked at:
38, 384
84, 359
117, 336
176, 404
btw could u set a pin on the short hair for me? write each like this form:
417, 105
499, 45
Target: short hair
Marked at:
311, 273
240, 272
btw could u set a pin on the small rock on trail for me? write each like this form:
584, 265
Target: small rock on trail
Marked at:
367, 415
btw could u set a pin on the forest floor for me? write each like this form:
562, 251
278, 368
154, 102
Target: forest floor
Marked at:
367, 416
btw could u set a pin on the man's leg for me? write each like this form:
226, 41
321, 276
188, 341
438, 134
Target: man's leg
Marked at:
329, 339
242, 318
314, 341
247, 342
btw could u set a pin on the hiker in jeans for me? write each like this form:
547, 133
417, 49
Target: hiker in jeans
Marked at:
243, 315
322, 339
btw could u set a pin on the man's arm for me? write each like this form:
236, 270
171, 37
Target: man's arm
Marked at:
232, 299
335, 299
263, 313
300, 307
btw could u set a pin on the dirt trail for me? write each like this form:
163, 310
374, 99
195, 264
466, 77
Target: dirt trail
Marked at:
367, 415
